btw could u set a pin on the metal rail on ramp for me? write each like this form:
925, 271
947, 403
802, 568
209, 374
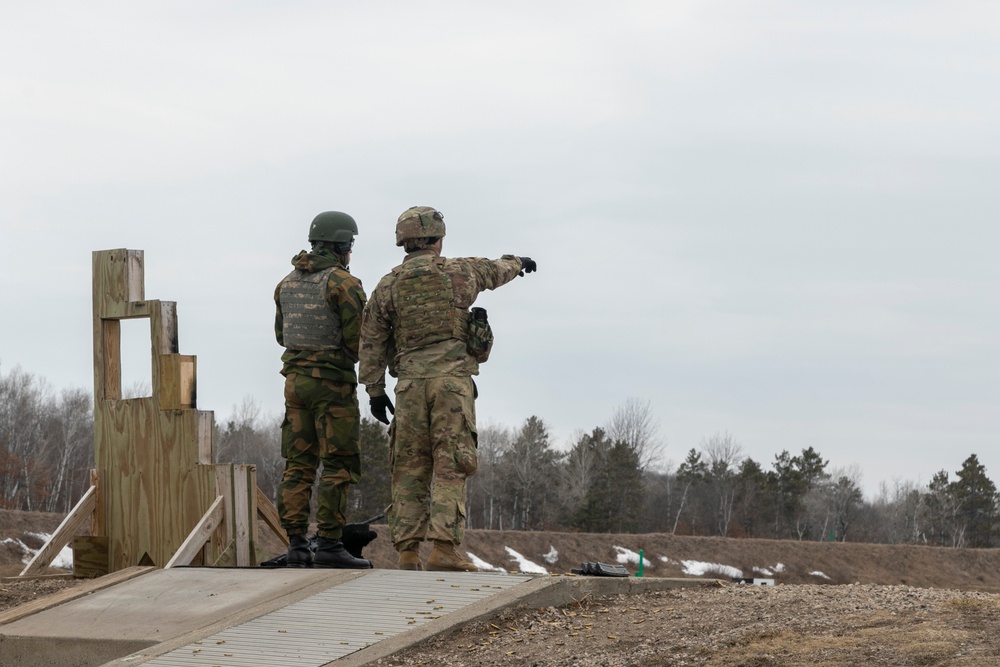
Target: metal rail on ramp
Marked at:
341, 620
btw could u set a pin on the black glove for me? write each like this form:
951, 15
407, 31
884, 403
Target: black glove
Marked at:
378, 405
528, 265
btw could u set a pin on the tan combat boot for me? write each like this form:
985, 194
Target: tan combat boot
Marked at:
444, 558
409, 559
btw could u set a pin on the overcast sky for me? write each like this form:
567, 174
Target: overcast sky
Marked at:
777, 219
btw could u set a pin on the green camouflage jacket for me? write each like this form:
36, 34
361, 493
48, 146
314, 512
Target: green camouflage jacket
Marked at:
470, 276
347, 297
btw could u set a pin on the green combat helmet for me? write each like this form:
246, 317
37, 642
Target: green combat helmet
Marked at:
419, 222
334, 227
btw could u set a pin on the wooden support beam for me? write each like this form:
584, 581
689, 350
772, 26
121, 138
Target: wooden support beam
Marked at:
79, 515
241, 513
269, 513
201, 534
97, 526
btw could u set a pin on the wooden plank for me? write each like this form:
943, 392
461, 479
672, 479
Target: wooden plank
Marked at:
228, 557
135, 309
117, 280
163, 334
252, 514
177, 382
241, 514
199, 536
69, 527
84, 588
90, 556
223, 535
206, 437
111, 360
269, 513
97, 525
38, 577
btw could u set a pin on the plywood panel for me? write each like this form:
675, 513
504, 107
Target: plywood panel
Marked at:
90, 557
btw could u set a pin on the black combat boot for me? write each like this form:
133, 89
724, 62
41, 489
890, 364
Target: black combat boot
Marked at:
299, 553
331, 553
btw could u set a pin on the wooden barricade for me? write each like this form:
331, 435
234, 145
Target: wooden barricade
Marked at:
157, 496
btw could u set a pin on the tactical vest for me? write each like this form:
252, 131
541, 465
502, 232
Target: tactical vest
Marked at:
308, 323
424, 301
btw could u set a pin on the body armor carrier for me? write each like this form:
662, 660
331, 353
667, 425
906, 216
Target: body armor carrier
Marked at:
424, 301
308, 323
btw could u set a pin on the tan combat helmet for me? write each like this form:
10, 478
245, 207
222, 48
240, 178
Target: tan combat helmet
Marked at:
419, 222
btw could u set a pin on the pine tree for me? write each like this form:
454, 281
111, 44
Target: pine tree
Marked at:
975, 498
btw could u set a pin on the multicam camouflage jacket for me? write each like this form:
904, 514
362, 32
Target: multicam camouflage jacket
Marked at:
346, 299
430, 352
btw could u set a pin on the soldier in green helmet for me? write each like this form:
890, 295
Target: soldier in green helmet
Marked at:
318, 322
419, 326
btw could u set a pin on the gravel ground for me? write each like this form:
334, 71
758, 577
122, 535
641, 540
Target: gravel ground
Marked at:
738, 625
15, 593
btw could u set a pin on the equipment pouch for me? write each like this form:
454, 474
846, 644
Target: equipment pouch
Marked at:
480, 336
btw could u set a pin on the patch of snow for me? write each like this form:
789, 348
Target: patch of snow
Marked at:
817, 573
763, 570
28, 553
483, 565
627, 556
63, 560
668, 561
552, 556
525, 565
697, 568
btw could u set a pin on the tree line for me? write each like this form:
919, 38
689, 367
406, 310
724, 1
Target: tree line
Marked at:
609, 480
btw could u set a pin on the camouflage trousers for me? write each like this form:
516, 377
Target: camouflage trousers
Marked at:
321, 427
433, 443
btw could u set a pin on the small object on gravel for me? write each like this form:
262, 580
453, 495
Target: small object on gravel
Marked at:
601, 570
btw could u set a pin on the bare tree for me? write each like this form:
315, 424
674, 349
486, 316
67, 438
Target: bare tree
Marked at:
724, 456
898, 509
485, 488
846, 499
68, 449
22, 408
633, 424
252, 437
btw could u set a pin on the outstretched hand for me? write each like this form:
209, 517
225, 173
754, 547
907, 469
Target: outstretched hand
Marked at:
528, 265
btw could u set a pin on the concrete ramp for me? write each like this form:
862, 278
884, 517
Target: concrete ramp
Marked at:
340, 620
248, 617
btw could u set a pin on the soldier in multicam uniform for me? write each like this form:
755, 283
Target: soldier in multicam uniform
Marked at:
417, 324
318, 322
